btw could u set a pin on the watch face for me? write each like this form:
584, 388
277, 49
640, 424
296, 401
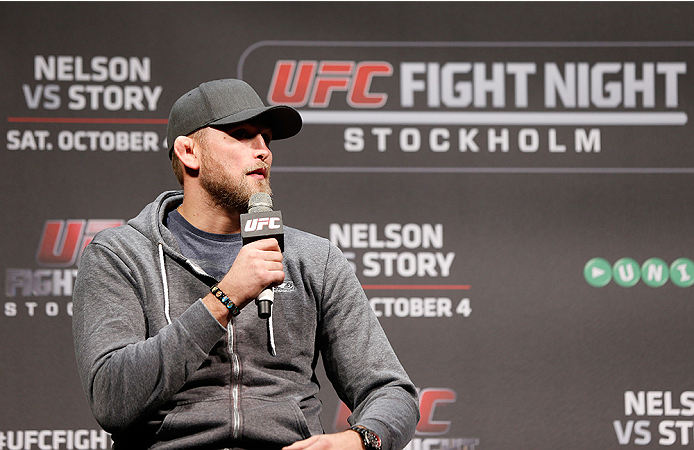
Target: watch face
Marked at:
369, 438
371, 441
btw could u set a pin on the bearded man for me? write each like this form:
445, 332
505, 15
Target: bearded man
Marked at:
166, 365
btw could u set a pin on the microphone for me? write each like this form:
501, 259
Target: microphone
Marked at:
262, 222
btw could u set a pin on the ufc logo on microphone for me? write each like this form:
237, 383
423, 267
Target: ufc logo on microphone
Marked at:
257, 224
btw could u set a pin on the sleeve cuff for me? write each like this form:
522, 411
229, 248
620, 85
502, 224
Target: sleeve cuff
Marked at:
202, 326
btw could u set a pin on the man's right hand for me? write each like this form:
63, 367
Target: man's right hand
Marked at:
257, 266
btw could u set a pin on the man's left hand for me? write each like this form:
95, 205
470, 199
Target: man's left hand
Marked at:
347, 440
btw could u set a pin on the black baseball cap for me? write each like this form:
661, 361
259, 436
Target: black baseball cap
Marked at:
225, 102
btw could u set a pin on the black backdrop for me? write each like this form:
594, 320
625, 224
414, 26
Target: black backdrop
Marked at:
513, 185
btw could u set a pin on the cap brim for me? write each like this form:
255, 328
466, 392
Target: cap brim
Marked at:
284, 121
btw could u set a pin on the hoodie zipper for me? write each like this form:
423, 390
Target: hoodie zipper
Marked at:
235, 362
235, 385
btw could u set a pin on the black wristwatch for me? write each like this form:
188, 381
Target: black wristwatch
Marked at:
369, 439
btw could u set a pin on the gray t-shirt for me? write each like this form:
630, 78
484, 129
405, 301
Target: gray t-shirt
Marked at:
215, 253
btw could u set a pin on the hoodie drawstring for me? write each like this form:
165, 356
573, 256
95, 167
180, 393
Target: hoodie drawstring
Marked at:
165, 283
270, 329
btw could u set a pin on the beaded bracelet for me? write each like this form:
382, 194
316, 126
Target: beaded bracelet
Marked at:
233, 309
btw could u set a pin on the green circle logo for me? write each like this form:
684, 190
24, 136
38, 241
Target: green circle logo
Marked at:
654, 272
682, 272
626, 272
597, 272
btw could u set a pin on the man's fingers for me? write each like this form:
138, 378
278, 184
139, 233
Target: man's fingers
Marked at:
265, 244
299, 445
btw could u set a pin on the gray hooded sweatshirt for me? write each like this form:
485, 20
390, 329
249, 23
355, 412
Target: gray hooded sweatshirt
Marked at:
160, 372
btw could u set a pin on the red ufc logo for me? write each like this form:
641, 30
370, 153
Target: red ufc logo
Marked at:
314, 82
257, 224
429, 400
62, 241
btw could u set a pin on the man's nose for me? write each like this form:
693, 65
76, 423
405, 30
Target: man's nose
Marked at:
262, 151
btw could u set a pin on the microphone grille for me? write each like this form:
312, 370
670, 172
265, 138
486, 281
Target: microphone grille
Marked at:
260, 202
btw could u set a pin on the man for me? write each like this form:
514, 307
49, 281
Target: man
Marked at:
165, 364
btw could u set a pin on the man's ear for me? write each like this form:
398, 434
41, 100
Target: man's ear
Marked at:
187, 151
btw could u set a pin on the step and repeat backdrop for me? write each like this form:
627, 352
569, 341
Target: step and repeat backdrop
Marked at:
512, 182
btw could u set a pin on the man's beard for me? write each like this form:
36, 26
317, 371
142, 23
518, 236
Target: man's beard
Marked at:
232, 194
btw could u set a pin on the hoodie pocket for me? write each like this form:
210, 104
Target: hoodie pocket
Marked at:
279, 422
204, 419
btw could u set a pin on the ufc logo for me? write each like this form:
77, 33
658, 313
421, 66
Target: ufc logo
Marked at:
314, 82
63, 241
429, 400
257, 224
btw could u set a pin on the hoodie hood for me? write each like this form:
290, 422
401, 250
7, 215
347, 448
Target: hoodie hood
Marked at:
150, 221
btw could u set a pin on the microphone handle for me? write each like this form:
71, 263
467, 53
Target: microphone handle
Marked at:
264, 302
